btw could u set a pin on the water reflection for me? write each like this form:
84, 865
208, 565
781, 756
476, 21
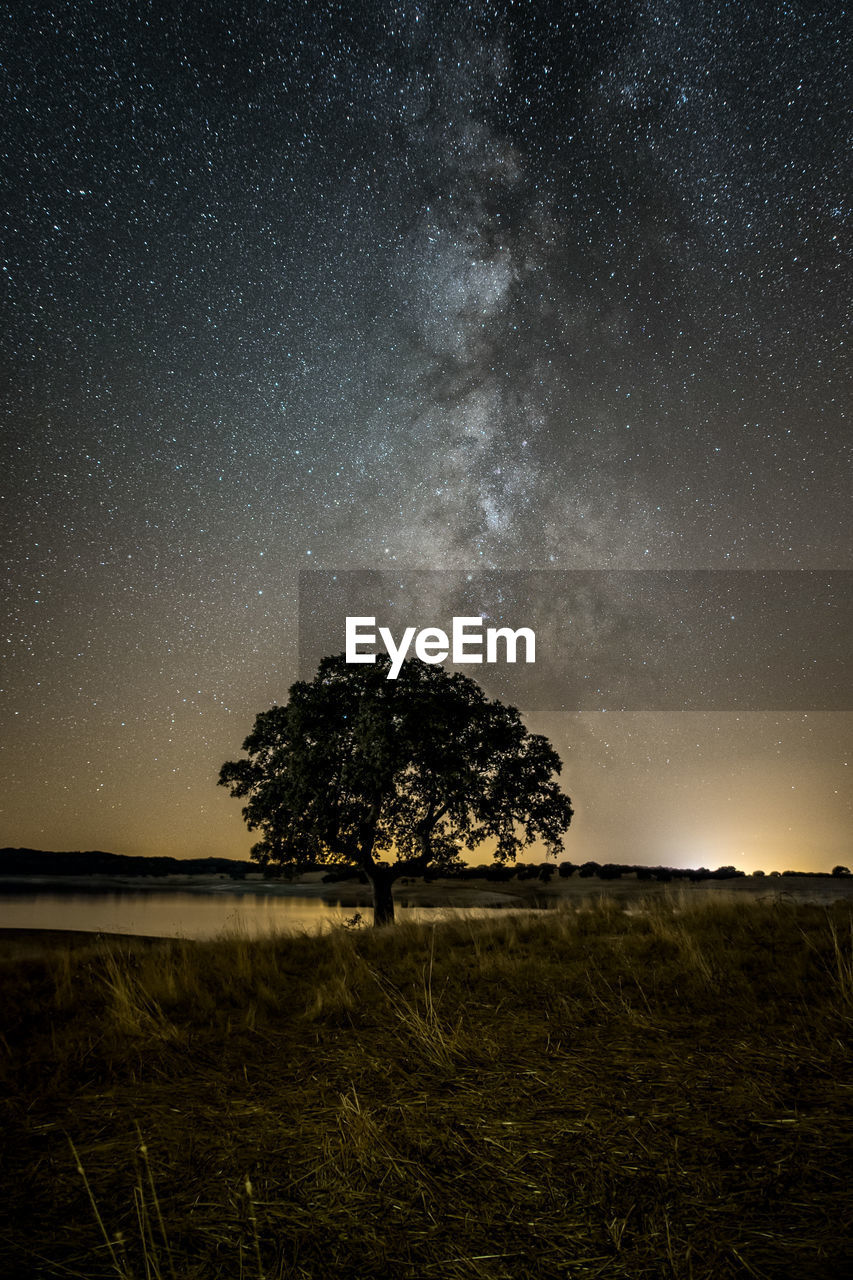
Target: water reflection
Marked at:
192, 915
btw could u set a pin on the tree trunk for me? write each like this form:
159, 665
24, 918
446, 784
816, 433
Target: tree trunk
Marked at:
382, 880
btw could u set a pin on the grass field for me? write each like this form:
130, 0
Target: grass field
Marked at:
577, 1093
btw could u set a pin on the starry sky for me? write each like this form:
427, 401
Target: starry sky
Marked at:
447, 286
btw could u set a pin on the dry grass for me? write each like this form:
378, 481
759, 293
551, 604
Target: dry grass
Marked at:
573, 1094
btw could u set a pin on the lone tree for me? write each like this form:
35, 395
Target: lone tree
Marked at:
394, 776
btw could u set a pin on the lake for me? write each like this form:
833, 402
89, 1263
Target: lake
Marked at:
198, 913
174, 914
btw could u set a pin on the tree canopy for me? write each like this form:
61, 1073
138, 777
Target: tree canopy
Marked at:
395, 776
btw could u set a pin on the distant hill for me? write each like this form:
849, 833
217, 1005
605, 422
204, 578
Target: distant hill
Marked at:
94, 862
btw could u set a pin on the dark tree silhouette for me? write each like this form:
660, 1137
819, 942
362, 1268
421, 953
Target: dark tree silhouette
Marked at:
588, 869
396, 777
611, 871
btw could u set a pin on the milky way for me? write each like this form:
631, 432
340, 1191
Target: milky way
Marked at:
452, 286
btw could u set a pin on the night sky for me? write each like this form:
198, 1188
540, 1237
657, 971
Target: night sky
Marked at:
435, 286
